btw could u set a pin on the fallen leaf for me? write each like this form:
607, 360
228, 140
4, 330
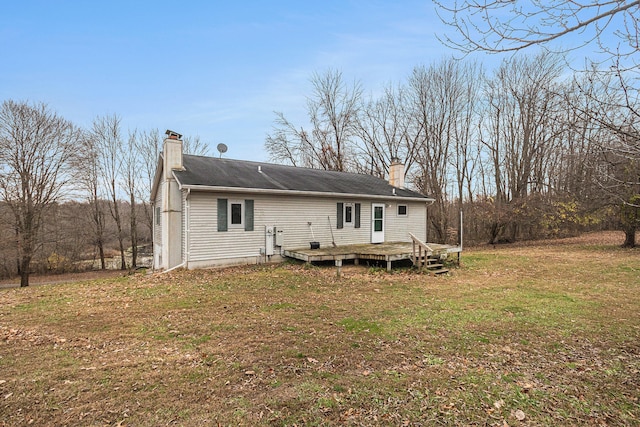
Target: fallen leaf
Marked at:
519, 415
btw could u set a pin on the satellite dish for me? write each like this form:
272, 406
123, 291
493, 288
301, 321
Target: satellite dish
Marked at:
222, 148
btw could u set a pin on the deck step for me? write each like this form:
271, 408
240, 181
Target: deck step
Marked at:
438, 271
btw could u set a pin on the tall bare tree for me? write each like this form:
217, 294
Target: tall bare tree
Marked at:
36, 148
333, 114
109, 145
611, 26
443, 100
131, 177
89, 177
386, 132
520, 132
148, 145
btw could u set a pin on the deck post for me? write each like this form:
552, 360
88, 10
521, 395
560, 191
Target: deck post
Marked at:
339, 267
413, 253
388, 265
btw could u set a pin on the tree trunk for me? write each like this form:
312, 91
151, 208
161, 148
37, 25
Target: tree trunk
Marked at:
629, 237
24, 271
116, 216
123, 262
103, 264
134, 232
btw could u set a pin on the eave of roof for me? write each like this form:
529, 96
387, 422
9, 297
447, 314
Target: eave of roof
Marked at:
241, 190
214, 174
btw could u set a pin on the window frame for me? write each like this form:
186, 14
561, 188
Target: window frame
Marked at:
406, 210
351, 207
230, 223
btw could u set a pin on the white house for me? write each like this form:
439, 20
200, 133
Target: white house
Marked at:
212, 211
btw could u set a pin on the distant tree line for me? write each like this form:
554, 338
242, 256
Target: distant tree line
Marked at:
526, 151
69, 194
532, 149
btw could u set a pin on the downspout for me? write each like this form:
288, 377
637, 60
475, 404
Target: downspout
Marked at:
187, 228
174, 268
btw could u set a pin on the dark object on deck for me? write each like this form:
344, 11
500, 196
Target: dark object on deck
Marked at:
314, 245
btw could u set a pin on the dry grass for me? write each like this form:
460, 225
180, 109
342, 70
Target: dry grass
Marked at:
547, 334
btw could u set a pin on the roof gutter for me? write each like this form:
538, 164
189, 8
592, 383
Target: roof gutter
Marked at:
243, 190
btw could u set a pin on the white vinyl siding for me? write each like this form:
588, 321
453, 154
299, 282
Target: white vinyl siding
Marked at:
185, 225
291, 215
157, 228
397, 227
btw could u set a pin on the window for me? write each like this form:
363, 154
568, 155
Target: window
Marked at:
235, 214
348, 214
403, 210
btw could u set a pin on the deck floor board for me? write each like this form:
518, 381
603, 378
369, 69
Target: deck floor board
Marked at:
388, 251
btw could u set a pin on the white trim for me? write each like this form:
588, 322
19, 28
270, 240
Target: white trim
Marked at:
243, 190
230, 224
377, 236
346, 223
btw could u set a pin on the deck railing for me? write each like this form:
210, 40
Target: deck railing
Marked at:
417, 257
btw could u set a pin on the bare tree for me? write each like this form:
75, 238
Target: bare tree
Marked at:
611, 25
519, 135
89, 175
386, 132
36, 147
443, 100
107, 139
333, 114
507, 26
147, 148
131, 174
194, 145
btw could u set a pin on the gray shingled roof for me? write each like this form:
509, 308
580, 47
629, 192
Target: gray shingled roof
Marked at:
218, 172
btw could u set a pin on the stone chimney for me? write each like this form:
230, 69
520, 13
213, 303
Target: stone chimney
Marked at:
171, 220
396, 173
172, 151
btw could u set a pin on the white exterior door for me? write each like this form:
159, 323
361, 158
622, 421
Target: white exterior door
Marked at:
377, 222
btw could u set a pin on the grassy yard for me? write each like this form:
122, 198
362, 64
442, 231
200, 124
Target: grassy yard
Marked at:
547, 334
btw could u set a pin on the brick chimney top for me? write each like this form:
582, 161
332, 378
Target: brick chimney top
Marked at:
173, 135
396, 173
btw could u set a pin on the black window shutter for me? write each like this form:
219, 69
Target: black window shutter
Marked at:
339, 213
222, 214
357, 220
248, 215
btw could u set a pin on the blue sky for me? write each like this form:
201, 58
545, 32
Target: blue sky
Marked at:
217, 69
214, 69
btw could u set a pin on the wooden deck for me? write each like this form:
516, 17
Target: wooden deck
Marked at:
388, 252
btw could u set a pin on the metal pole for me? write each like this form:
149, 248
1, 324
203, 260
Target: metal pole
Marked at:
461, 228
